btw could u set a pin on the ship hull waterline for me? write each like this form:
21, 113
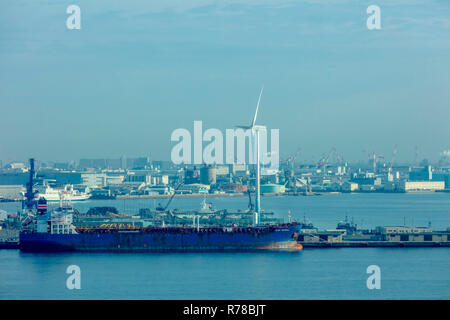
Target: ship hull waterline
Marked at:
279, 239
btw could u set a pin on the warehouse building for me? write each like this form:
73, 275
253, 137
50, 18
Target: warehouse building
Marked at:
408, 186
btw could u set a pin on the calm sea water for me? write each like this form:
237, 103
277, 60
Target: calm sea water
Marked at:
413, 273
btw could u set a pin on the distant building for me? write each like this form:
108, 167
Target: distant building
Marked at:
222, 170
3, 216
60, 177
114, 179
112, 164
16, 165
163, 165
240, 169
14, 178
426, 174
349, 186
442, 177
234, 187
367, 187
208, 175
191, 176
407, 186
162, 190
61, 165
367, 180
273, 188
135, 163
138, 176
194, 188
160, 180
100, 179
93, 179
92, 163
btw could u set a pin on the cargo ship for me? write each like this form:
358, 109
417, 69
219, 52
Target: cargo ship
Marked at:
53, 230
65, 237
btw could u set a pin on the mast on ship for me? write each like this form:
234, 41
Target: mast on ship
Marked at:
29, 195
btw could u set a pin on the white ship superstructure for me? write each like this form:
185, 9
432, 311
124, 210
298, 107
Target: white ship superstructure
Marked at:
53, 194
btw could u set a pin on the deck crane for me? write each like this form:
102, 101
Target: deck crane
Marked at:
251, 207
160, 207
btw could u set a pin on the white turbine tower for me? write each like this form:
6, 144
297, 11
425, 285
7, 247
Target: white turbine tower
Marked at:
256, 129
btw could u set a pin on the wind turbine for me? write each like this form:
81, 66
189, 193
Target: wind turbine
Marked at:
255, 129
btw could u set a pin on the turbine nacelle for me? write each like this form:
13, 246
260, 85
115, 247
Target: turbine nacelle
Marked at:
259, 128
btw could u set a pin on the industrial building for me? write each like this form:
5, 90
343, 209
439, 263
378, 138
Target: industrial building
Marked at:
273, 188
234, 187
194, 188
208, 175
349, 186
408, 186
100, 179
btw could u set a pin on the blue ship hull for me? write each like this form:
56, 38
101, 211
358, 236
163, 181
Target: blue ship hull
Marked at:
281, 237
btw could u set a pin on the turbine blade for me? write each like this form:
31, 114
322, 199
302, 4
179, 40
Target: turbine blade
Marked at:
257, 106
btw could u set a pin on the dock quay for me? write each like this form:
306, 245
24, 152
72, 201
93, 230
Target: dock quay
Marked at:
397, 236
374, 244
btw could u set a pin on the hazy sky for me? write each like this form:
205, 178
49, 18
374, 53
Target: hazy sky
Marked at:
137, 70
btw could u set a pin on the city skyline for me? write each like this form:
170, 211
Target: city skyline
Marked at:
332, 161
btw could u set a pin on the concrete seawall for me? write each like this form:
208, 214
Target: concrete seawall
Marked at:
372, 244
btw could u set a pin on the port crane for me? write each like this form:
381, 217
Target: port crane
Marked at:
290, 164
291, 160
373, 159
160, 207
323, 162
391, 163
